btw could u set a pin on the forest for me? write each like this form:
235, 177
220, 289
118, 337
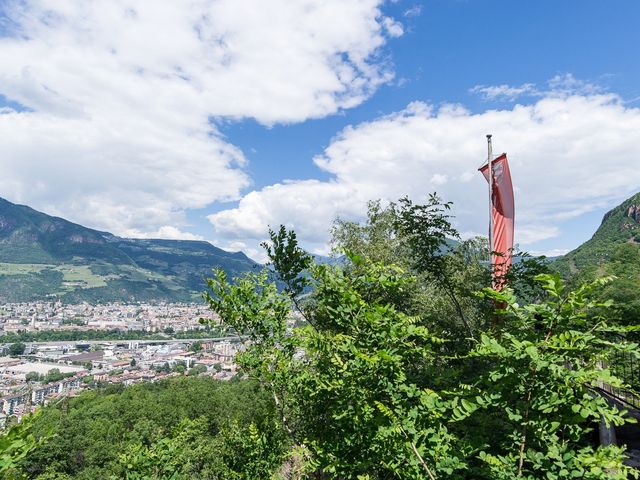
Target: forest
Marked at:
400, 362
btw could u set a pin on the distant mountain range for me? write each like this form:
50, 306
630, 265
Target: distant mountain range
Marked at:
45, 257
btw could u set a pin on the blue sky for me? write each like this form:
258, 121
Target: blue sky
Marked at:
389, 98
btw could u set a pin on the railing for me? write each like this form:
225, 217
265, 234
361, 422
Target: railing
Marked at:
625, 366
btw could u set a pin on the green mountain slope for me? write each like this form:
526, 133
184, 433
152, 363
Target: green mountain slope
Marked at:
43, 256
614, 249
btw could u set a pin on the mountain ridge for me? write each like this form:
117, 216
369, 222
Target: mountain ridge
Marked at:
44, 256
613, 250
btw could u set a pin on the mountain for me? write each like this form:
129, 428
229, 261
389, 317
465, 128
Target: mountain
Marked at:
614, 249
43, 257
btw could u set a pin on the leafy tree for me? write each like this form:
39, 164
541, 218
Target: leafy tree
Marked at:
16, 349
32, 377
180, 368
53, 375
197, 369
191, 417
15, 445
371, 387
238, 452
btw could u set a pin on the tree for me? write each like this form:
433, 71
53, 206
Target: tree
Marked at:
196, 347
133, 362
53, 375
32, 377
369, 386
17, 348
192, 426
180, 368
15, 444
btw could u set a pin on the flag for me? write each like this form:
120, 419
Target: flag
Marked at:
502, 217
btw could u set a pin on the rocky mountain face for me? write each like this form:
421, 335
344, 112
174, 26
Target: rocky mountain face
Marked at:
43, 257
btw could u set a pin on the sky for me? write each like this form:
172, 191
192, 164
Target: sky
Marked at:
215, 119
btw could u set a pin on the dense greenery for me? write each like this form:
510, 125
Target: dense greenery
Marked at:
43, 256
613, 250
400, 372
79, 335
183, 428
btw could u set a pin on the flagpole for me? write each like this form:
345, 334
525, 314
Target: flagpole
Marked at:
489, 162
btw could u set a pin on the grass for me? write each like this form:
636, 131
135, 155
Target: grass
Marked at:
80, 276
74, 276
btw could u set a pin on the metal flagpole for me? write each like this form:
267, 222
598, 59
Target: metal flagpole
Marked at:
489, 161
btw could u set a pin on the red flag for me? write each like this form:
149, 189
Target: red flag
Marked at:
502, 215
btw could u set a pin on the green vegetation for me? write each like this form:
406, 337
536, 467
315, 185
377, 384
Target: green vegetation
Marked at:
16, 349
15, 444
78, 335
183, 428
614, 250
399, 372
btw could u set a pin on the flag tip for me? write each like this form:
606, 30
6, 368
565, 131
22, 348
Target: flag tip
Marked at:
489, 135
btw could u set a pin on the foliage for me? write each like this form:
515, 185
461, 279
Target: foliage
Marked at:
100, 433
238, 452
543, 369
376, 384
15, 445
210, 331
614, 250
16, 349
288, 261
448, 271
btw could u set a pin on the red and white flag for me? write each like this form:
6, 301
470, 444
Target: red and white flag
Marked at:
502, 216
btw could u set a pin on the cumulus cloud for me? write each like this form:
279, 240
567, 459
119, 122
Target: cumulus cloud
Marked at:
114, 104
569, 154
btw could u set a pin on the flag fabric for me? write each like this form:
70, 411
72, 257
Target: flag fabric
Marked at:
502, 216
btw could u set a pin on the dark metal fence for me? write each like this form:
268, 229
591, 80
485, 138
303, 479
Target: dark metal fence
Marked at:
625, 366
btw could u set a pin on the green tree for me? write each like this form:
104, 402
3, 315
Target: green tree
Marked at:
368, 389
15, 445
53, 375
17, 348
190, 416
180, 368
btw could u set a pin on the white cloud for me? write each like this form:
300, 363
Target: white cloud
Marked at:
505, 92
122, 97
559, 86
414, 11
569, 154
554, 252
529, 233
167, 232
